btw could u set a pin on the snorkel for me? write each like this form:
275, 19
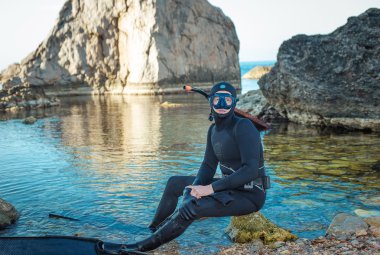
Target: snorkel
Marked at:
260, 125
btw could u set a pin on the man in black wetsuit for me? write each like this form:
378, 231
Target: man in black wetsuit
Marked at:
235, 144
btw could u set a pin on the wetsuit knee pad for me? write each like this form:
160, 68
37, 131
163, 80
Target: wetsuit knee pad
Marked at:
188, 210
173, 180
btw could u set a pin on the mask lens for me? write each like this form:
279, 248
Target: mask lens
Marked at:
228, 100
215, 100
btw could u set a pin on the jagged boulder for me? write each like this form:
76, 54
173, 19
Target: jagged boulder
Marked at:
332, 79
134, 46
8, 214
256, 104
255, 226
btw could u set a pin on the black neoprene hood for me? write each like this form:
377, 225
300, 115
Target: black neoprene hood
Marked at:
223, 86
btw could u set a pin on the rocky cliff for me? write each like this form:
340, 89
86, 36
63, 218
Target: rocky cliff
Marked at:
131, 46
331, 80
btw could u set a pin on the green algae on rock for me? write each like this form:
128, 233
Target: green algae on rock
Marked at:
255, 226
8, 214
29, 120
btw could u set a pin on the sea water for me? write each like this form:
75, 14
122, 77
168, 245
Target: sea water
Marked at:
245, 67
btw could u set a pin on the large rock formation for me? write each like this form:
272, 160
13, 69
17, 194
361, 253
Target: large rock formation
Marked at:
332, 79
131, 46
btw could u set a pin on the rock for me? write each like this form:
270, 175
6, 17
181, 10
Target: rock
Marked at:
256, 246
167, 104
375, 231
11, 75
367, 213
255, 226
8, 214
253, 102
256, 104
25, 97
376, 167
278, 244
361, 232
373, 221
136, 46
257, 72
345, 224
330, 80
354, 242
29, 120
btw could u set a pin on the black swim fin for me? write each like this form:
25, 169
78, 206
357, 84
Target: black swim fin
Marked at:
61, 245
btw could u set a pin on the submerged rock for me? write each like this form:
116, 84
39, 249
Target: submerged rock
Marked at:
255, 226
8, 214
132, 46
367, 213
330, 80
373, 221
29, 120
257, 72
167, 104
344, 225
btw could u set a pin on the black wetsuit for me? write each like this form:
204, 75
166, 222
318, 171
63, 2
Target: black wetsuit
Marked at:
235, 144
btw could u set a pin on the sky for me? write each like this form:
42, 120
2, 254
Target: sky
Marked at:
261, 25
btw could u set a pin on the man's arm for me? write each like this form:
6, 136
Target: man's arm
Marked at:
208, 167
248, 140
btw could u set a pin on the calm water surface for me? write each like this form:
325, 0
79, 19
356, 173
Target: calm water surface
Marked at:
105, 161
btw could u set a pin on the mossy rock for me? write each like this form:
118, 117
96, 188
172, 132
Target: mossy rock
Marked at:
29, 120
255, 226
8, 214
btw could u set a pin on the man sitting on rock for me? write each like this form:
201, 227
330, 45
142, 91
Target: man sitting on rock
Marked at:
235, 144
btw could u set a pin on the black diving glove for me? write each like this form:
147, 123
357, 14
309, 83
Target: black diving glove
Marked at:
187, 210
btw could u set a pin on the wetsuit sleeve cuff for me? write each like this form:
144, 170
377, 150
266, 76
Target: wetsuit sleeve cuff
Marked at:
217, 186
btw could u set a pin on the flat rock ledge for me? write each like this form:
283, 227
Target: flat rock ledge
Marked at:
8, 214
25, 97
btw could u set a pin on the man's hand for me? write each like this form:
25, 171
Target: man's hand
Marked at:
199, 191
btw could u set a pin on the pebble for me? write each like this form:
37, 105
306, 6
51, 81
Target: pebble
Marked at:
355, 242
352, 245
361, 232
278, 244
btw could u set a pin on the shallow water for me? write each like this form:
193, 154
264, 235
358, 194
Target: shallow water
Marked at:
105, 160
